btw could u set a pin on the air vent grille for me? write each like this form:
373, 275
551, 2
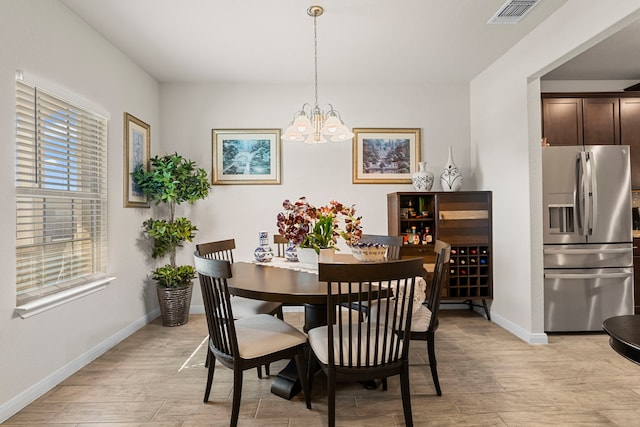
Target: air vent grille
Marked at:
512, 11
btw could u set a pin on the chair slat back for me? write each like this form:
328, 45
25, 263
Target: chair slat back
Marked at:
213, 275
281, 243
222, 249
394, 243
443, 255
370, 343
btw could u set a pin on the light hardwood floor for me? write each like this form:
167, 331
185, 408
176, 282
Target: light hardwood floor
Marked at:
156, 378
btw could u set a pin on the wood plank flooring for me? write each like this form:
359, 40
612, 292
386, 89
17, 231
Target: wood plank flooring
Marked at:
156, 378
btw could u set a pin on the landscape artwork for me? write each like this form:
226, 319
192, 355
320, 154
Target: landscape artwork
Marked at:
136, 152
246, 156
385, 155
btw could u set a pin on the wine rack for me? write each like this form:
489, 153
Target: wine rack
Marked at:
469, 272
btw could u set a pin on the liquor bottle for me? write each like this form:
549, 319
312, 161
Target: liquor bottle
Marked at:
463, 261
426, 236
483, 261
473, 251
473, 260
415, 236
454, 251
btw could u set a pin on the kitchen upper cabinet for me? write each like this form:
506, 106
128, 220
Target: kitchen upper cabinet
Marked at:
630, 135
601, 121
562, 121
581, 121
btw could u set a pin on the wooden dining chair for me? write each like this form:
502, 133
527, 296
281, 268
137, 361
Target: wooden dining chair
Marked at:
281, 243
242, 307
394, 243
244, 343
425, 319
348, 349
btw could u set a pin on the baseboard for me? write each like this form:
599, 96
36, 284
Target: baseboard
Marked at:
523, 334
23, 399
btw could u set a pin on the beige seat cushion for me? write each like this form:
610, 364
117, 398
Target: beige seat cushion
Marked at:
419, 321
244, 307
318, 339
264, 334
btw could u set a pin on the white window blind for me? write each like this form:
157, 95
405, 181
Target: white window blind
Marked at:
61, 194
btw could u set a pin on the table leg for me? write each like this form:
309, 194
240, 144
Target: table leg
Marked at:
287, 384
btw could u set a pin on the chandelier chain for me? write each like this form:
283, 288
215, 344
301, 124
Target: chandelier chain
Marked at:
315, 49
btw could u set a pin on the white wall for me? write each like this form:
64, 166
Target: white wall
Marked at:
505, 136
321, 172
39, 351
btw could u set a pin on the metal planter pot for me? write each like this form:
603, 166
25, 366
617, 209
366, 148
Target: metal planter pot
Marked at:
174, 304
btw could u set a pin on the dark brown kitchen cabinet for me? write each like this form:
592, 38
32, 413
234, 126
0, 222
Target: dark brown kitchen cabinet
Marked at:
562, 121
581, 121
461, 218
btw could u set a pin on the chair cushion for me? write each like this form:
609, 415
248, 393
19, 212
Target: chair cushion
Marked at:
419, 320
318, 339
244, 307
264, 334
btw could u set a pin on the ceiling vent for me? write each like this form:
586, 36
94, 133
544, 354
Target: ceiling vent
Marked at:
512, 11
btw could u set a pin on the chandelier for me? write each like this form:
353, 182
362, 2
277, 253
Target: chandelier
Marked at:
315, 125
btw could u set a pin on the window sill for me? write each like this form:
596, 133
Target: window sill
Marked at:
46, 303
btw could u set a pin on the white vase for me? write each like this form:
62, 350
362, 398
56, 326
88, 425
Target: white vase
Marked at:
422, 179
451, 178
309, 258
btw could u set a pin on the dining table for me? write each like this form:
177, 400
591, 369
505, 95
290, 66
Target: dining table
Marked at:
290, 283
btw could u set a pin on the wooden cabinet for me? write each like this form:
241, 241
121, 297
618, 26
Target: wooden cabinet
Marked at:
594, 119
581, 121
562, 121
462, 219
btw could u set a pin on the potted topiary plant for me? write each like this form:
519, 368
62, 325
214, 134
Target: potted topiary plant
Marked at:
172, 180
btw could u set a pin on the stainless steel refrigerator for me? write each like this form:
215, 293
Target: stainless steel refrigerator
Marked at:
588, 244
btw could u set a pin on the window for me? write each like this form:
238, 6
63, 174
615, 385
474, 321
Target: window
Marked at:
61, 194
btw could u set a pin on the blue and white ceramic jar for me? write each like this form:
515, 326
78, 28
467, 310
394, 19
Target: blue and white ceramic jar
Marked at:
291, 252
263, 253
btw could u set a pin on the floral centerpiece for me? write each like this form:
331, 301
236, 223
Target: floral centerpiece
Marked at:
308, 226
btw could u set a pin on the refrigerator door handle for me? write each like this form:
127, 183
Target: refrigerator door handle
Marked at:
585, 251
579, 193
582, 276
583, 208
591, 192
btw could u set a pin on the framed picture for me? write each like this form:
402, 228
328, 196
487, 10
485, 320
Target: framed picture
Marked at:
246, 156
385, 156
137, 142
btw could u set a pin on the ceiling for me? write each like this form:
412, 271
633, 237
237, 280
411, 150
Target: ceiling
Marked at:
371, 41
615, 58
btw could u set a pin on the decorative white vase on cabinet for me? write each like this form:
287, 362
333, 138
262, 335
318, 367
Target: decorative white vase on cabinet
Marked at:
451, 178
422, 179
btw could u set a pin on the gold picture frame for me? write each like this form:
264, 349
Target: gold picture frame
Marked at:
245, 156
385, 155
137, 145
